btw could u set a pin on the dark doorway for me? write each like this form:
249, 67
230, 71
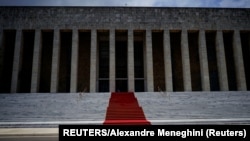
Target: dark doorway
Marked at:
103, 84
121, 85
158, 60
245, 43
26, 61
212, 60
83, 72
194, 60
65, 61
121, 61
46, 59
6, 63
121, 66
175, 42
229, 54
139, 67
103, 61
139, 38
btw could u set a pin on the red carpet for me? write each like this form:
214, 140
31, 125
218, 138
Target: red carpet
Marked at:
124, 109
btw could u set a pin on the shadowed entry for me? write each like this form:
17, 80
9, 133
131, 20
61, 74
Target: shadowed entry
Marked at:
103, 51
121, 65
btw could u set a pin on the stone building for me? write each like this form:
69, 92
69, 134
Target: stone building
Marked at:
105, 49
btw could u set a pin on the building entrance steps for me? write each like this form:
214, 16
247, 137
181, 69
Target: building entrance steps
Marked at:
50, 110
123, 109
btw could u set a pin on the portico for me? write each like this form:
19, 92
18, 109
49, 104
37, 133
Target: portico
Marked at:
147, 57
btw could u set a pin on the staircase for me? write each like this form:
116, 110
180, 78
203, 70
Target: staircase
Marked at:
124, 109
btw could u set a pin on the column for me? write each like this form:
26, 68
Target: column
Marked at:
74, 62
36, 62
93, 59
167, 61
55, 62
221, 62
131, 79
16, 61
149, 62
239, 64
185, 61
205, 82
112, 60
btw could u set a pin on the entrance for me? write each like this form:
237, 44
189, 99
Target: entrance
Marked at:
121, 66
139, 41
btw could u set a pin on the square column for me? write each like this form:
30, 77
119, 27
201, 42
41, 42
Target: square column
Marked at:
131, 75
186, 61
221, 61
16, 61
74, 62
205, 82
149, 62
93, 59
239, 64
55, 62
112, 60
167, 61
36, 62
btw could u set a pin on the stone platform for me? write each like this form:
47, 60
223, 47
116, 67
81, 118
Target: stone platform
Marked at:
49, 110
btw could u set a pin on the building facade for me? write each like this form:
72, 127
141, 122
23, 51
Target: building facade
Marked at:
106, 49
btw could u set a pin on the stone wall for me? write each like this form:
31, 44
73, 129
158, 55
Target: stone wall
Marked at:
124, 18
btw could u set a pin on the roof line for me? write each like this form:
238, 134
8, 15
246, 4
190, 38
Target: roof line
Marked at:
31, 6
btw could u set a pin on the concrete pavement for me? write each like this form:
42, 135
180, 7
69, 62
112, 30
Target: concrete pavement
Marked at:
28, 131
